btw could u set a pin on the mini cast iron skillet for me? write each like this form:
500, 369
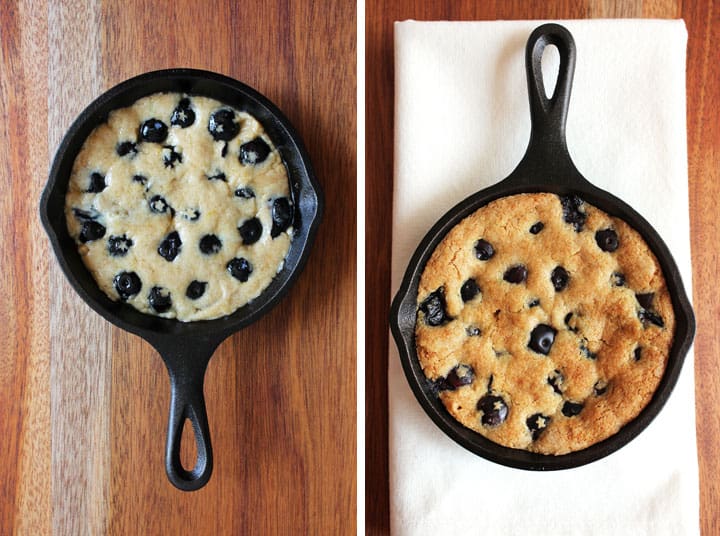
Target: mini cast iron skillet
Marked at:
186, 348
546, 167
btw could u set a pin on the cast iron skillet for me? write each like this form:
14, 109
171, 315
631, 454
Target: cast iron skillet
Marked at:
186, 348
546, 167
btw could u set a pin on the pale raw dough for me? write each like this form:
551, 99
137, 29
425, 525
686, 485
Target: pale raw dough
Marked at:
122, 207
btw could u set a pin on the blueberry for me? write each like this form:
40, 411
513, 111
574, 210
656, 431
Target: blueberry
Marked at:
250, 231
183, 115
140, 178
222, 125
282, 215
516, 274
607, 240
170, 246
245, 193
240, 269
537, 227
254, 152
118, 246
586, 351
494, 410
159, 299
457, 377
555, 380
534, 303
536, 424
645, 300
646, 317
573, 211
600, 387
190, 214
469, 290
91, 230
434, 308
154, 131
158, 205
195, 289
637, 354
171, 157
97, 183
218, 177
567, 319
484, 250
542, 339
224, 151
559, 278
618, 279
127, 284
210, 244
126, 147
473, 331
571, 409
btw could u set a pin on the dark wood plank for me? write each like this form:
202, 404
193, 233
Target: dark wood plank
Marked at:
703, 94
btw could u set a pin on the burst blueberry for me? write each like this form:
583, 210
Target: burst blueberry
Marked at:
170, 246
572, 409
484, 250
240, 268
573, 211
158, 205
282, 215
171, 157
160, 299
222, 125
91, 230
494, 410
254, 152
118, 246
516, 274
250, 231
183, 115
210, 244
434, 308
195, 289
559, 278
97, 183
537, 424
245, 193
126, 148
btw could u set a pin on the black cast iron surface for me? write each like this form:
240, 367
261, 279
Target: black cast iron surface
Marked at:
186, 347
545, 167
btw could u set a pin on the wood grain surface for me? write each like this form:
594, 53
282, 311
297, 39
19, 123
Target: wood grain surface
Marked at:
703, 91
83, 405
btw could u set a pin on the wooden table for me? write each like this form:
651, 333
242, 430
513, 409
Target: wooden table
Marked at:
83, 405
703, 91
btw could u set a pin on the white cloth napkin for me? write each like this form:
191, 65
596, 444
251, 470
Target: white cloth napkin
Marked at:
461, 124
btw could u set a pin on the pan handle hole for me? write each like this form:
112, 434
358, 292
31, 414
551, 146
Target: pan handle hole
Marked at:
188, 446
550, 65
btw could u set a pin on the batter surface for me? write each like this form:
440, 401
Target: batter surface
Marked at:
543, 323
180, 207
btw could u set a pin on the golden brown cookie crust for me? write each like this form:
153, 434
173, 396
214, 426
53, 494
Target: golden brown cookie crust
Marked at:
608, 353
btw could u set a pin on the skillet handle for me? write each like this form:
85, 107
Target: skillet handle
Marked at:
188, 403
549, 115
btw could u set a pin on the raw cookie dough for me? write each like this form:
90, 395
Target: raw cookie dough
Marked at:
180, 206
543, 323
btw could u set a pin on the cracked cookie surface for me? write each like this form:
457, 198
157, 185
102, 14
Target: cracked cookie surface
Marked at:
180, 206
543, 323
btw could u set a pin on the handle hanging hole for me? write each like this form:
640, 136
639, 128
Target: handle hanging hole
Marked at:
550, 65
188, 446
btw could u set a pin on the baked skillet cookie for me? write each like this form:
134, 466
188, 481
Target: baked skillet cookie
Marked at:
180, 207
543, 323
